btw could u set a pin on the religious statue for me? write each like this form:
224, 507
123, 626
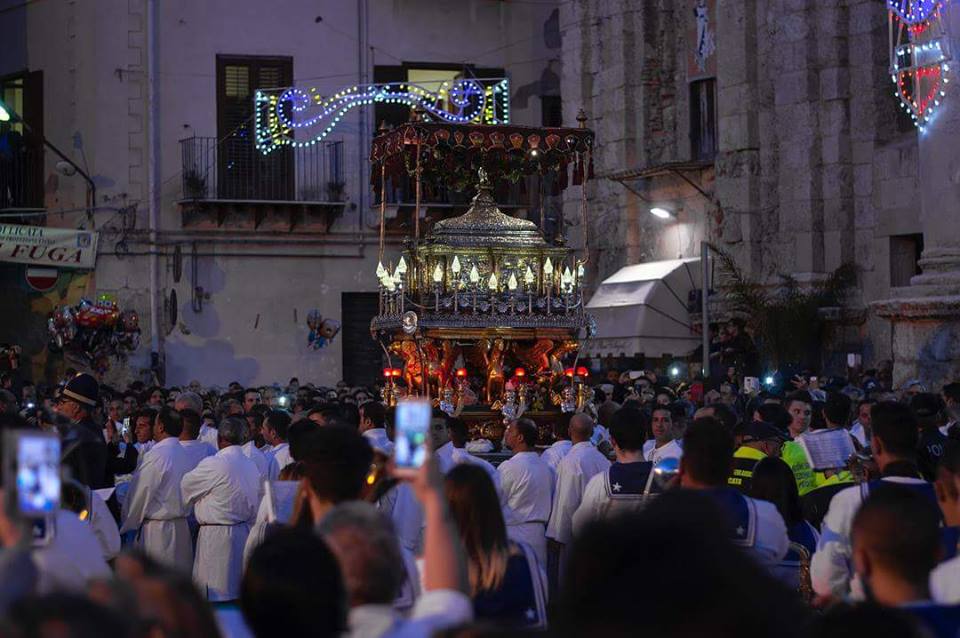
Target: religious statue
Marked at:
537, 356
493, 358
509, 406
556, 356
448, 359
431, 359
412, 368
566, 399
450, 401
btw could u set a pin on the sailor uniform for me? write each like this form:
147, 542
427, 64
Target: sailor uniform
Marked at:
520, 601
617, 491
754, 525
830, 568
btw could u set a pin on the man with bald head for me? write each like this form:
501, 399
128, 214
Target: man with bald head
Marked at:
574, 472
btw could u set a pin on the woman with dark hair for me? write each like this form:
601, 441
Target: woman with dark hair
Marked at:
507, 586
773, 481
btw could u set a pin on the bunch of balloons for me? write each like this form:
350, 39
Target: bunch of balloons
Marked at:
94, 331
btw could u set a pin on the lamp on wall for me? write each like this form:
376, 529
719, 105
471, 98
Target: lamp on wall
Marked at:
662, 213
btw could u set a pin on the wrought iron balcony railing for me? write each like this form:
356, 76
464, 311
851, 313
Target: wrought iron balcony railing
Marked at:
233, 169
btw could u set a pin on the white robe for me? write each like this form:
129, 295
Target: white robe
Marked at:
527, 483
259, 458
72, 558
197, 450
403, 509
445, 457
209, 435
284, 495
155, 506
555, 453
104, 526
379, 441
279, 457
575, 471
224, 491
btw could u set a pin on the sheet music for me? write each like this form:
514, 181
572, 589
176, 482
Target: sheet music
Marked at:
828, 449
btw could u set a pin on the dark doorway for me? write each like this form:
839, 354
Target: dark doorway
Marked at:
362, 357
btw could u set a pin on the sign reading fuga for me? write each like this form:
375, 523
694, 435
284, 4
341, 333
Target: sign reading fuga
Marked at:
41, 246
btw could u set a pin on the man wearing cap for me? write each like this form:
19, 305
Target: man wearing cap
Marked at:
84, 450
759, 440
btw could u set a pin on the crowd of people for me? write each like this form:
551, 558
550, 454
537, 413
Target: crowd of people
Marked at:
659, 506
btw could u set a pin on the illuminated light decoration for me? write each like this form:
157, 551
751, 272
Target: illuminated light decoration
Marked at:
295, 117
520, 373
919, 56
461, 372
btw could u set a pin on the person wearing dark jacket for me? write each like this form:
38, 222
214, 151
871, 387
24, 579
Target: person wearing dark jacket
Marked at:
84, 450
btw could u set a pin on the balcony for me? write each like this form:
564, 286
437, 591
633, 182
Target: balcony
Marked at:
231, 184
21, 177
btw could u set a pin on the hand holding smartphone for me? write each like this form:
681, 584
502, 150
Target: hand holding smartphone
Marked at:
412, 432
31, 468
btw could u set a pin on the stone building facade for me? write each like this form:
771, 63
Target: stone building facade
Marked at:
813, 164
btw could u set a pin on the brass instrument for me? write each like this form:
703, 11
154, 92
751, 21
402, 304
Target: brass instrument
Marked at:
805, 585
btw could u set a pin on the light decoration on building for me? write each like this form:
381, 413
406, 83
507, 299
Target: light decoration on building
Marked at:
297, 117
920, 56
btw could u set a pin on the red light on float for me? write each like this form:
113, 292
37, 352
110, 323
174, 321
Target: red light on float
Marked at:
568, 372
582, 372
395, 372
461, 372
387, 373
520, 372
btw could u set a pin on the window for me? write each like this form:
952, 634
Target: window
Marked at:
703, 119
551, 111
427, 75
905, 252
21, 150
242, 172
362, 357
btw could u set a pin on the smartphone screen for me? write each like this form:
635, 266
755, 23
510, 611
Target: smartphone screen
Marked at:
413, 425
38, 473
125, 428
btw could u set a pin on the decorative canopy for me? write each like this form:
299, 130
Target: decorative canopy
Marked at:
452, 154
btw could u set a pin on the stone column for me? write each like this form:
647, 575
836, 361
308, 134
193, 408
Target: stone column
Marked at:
926, 314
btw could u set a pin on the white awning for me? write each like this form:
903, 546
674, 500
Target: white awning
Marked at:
642, 309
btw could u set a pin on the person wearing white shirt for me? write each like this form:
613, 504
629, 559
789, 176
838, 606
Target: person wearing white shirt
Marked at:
619, 489
372, 565
197, 450
561, 447
154, 504
104, 526
574, 472
274, 432
894, 446
208, 434
527, 484
440, 441
665, 445
224, 492
264, 465
72, 558
459, 434
860, 430
373, 418
756, 526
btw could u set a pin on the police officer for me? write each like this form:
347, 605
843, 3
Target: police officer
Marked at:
84, 450
759, 440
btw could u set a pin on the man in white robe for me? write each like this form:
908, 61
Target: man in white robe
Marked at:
154, 504
277, 450
224, 492
196, 449
574, 472
527, 483
560, 448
